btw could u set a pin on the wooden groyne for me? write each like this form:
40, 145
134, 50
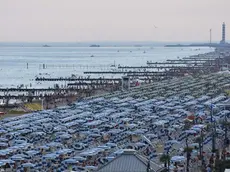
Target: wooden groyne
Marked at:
124, 72
38, 89
163, 67
23, 96
176, 63
192, 60
150, 76
80, 79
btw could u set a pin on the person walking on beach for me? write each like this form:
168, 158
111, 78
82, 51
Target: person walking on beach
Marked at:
208, 169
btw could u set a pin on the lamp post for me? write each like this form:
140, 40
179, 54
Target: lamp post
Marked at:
213, 131
201, 148
187, 167
225, 126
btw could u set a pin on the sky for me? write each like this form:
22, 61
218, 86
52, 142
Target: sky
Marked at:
112, 20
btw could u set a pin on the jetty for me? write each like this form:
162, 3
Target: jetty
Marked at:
79, 79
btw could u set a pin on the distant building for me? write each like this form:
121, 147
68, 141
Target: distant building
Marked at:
223, 34
130, 161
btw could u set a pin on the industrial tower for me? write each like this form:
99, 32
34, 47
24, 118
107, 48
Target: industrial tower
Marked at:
223, 34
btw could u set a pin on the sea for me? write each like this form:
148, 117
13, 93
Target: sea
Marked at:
21, 63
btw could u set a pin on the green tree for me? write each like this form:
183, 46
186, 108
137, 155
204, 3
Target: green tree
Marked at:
188, 150
165, 159
199, 140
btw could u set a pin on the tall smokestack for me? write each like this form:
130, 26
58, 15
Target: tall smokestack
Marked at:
223, 33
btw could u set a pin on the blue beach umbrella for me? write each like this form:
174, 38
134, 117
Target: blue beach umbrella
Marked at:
17, 157
9, 161
3, 144
79, 158
28, 165
70, 161
2, 164
50, 156
3, 139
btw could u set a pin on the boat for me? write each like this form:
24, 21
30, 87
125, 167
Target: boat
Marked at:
94, 45
45, 45
113, 65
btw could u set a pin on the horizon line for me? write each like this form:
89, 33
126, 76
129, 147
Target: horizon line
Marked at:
105, 41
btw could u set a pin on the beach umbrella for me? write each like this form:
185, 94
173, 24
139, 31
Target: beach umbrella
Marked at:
191, 117
3, 144
190, 131
188, 120
173, 142
50, 156
65, 136
199, 126
79, 158
177, 146
18, 157
91, 167
55, 144
104, 147
94, 135
32, 152
7, 161
178, 158
17, 142
70, 161
140, 131
152, 135
196, 129
140, 144
28, 165
78, 146
3, 139
64, 151
44, 147
2, 164
2, 131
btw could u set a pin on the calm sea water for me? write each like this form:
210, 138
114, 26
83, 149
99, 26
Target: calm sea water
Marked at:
63, 61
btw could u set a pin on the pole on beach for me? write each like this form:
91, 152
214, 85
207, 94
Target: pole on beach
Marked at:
42, 105
214, 131
187, 167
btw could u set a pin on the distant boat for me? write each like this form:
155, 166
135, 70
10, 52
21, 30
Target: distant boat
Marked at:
46, 45
92, 56
144, 52
114, 64
94, 45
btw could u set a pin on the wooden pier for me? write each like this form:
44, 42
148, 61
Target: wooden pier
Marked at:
23, 96
177, 63
124, 72
163, 67
80, 79
192, 60
35, 89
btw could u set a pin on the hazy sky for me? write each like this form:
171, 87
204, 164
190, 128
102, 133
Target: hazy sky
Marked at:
112, 20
